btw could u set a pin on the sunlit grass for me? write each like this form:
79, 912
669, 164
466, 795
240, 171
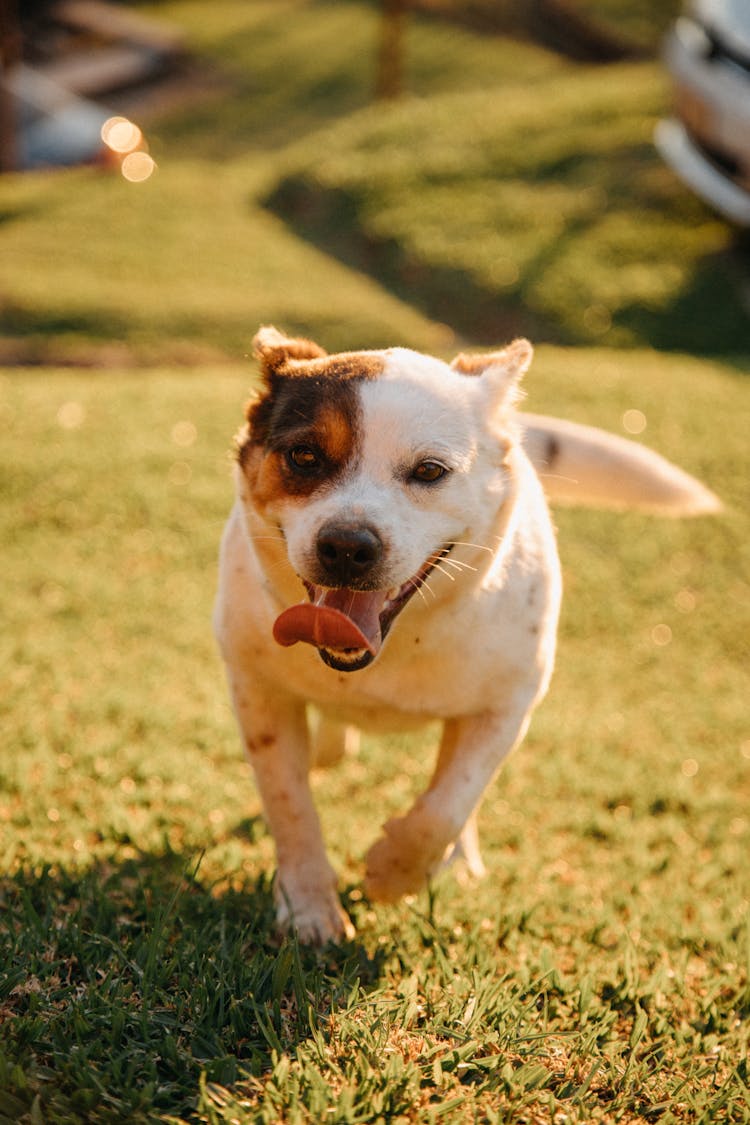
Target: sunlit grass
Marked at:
600, 971
181, 266
512, 191
539, 209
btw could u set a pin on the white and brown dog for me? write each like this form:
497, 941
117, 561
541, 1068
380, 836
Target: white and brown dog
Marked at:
391, 517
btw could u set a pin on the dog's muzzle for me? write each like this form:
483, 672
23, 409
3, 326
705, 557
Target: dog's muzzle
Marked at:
348, 626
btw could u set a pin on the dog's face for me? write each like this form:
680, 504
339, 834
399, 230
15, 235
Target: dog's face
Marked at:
377, 467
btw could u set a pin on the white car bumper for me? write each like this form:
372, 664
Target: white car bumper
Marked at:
707, 142
696, 170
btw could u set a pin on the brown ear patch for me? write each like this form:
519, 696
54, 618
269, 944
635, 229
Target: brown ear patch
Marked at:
276, 351
516, 357
469, 364
284, 356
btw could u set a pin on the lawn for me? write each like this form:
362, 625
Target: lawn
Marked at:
457, 211
601, 971
473, 208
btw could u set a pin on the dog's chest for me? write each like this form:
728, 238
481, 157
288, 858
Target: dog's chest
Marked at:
446, 661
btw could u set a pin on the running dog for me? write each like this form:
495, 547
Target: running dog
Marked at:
390, 560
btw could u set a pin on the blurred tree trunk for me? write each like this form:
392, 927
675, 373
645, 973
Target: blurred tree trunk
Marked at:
390, 76
10, 56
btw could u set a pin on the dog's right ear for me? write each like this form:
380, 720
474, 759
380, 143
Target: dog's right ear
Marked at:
502, 371
279, 354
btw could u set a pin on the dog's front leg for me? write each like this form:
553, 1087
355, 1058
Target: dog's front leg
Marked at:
412, 847
275, 735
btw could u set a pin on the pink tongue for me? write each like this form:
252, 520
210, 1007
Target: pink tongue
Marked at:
338, 620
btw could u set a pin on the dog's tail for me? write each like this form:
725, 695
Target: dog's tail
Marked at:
583, 465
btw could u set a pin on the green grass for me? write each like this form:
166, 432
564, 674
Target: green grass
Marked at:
600, 971
497, 222
639, 21
512, 191
179, 268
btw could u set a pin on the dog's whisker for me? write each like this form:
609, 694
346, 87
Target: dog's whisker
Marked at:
416, 583
557, 476
421, 587
447, 573
275, 536
457, 564
476, 546
435, 558
439, 562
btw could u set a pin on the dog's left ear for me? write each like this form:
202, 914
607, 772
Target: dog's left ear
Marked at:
278, 353
502, 371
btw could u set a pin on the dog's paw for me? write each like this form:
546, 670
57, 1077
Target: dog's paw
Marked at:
316, 918
407, 854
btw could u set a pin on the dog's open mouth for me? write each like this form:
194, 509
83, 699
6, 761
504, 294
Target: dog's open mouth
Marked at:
346, 626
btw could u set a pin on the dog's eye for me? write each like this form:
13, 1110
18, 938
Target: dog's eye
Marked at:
428, 472
303, 458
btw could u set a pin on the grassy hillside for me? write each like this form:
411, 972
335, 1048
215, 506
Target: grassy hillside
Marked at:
511, 191
186, 265
182, 267
542, 210
641, 21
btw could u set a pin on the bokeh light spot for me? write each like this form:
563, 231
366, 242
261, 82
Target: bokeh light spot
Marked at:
121, 135
685, 601
661, 634
137, 167
634, 421
180, 473
71, 415
184, 433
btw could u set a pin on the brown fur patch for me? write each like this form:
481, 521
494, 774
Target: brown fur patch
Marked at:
309, 400
470, 364
335, 434
298, 358
275, 351
321, 414
517, 354
344, 366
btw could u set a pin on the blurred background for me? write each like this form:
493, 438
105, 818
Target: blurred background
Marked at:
426, 172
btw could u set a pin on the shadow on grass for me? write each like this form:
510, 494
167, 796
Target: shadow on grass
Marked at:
329, 220
93, 337
122, 984
17, 320
708, 315
711, 316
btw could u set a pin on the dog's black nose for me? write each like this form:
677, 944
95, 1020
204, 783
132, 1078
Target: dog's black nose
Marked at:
348, 554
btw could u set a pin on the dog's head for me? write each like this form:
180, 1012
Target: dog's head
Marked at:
377, 468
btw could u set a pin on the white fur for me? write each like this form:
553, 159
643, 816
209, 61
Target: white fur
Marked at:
474, 649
